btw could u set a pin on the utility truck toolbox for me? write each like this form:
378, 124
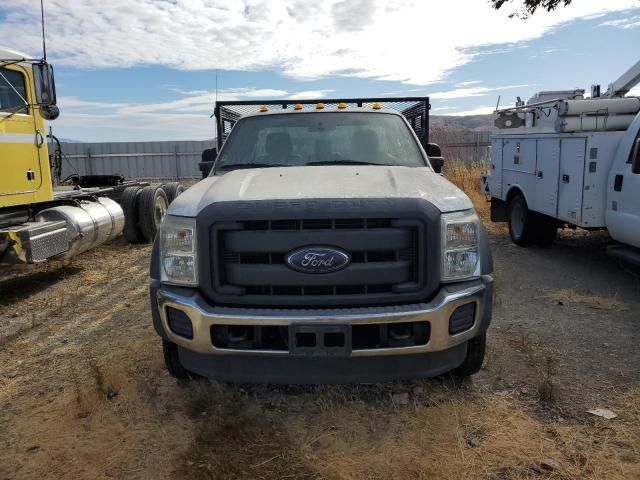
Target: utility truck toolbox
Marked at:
322, 247
563, 159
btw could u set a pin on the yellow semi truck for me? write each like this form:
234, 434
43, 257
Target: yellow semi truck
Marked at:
40, 220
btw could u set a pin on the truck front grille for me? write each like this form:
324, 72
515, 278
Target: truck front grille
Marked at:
387, 261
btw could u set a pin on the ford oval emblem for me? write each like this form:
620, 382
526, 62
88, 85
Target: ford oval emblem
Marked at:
318, 259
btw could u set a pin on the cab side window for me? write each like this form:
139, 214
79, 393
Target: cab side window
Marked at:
13, 91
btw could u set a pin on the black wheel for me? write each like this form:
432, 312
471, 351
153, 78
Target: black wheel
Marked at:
522, 222
475, 356
546, 231
152, 207
172, 361
129, 204
172, 190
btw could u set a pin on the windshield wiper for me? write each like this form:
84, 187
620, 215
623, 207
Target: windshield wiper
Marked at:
238, 166
348, 162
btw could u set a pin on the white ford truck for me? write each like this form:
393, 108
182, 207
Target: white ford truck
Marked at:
322, 247
563, 159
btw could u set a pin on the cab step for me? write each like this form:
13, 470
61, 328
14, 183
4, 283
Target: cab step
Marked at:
33, 242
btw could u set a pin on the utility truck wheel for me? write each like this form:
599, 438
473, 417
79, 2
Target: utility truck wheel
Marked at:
547, 230
475, 356
522, 222
152, 207
172, 189
129, 204
172, 361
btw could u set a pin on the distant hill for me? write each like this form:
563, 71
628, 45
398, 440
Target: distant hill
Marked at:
471, 122
69, 140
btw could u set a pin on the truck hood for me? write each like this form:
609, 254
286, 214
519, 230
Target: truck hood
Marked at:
318, 182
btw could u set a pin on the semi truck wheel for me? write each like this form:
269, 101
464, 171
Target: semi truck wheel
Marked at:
152, 207
172, 189
475, 356
129, 204
172, 361
522, 222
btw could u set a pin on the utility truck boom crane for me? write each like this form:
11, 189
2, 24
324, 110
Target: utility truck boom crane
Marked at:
625, 83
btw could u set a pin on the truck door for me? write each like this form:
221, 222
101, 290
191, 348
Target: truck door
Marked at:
19, 149
623, 192
571, 181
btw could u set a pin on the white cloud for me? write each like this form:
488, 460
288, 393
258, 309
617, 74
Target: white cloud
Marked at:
634, 92
470, 92
311, 94
187, 117
468, 83
302, 39
624, 23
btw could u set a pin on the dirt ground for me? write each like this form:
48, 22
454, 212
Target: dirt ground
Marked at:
83, 391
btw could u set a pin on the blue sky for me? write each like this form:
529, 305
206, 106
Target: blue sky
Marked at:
145, 70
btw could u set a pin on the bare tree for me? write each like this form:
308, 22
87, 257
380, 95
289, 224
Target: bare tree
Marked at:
530, 6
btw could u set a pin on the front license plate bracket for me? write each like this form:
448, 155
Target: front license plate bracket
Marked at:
320, 340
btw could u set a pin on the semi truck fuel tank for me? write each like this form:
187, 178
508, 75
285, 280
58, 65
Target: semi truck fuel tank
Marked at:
89, 224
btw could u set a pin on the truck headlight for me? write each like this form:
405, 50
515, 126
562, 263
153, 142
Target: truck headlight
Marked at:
178, 251
460, 249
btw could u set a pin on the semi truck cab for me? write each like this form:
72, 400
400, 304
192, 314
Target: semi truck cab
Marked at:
27, 99
37, 221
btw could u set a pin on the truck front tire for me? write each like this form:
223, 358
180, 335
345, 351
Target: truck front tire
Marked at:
172, 361
522, 222
475, 357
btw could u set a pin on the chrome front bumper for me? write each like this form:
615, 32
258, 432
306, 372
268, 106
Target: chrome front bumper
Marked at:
437, 313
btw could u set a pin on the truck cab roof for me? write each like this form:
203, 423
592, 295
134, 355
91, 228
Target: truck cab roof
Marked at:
9, 54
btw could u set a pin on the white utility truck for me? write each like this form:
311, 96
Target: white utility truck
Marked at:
565, 160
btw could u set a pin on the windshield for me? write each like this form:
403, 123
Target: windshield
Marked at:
320, 139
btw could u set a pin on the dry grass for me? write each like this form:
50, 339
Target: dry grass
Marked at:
567, 296
57, 420
484, 437
467, 178
338, 433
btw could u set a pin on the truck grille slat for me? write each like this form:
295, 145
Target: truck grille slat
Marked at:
386, 260
280, 240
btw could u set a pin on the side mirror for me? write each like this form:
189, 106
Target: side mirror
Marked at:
45, 84
437, 163
435, 157
635, 157
49, 112
433, 150
208, 159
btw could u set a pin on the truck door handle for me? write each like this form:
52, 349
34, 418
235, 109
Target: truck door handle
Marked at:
617, 184
565, 179
540, 174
